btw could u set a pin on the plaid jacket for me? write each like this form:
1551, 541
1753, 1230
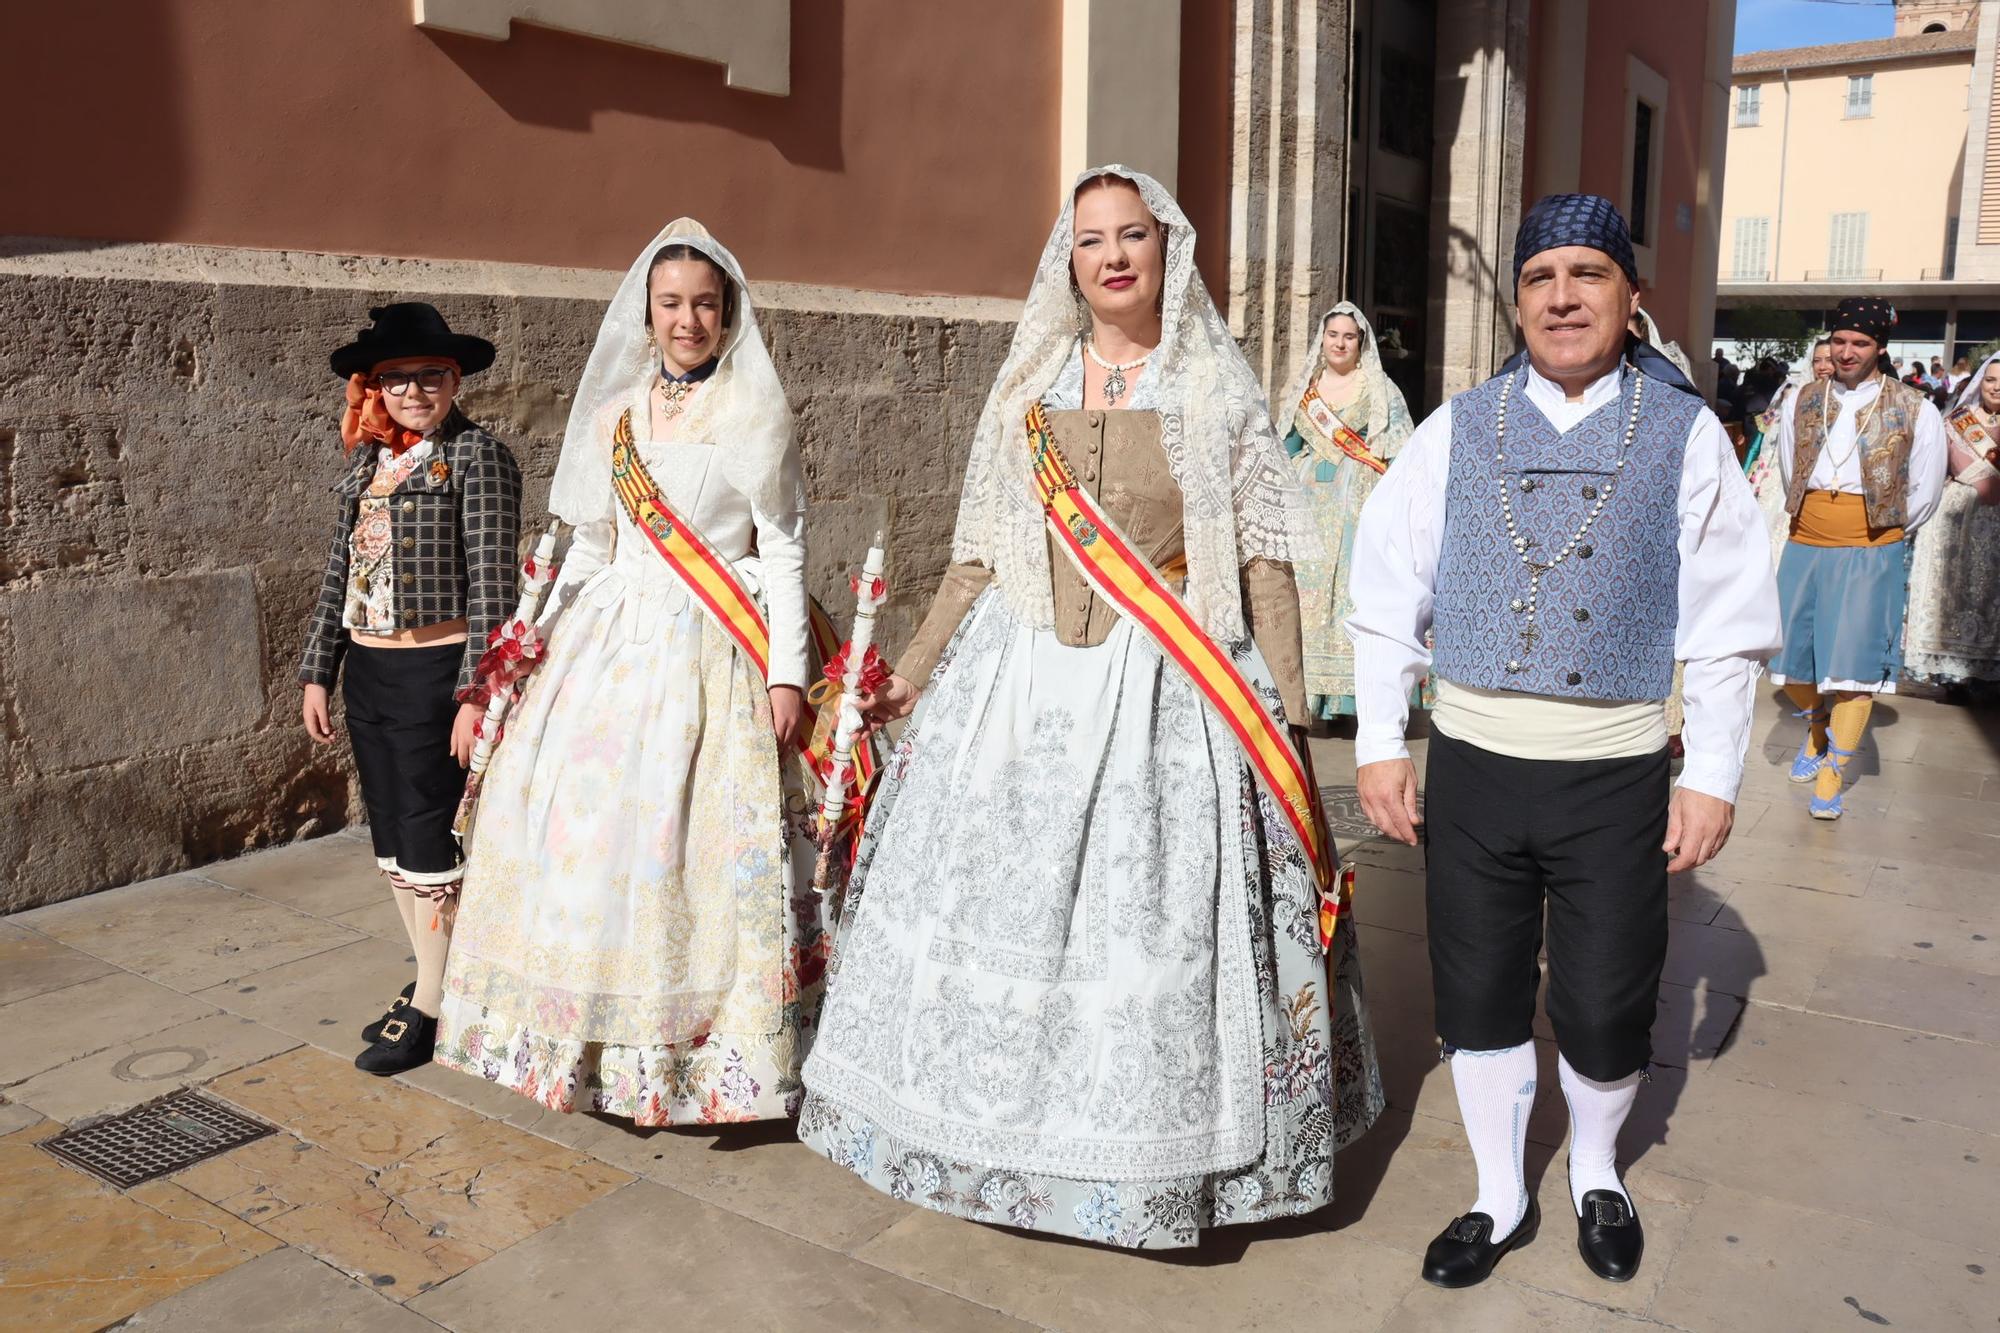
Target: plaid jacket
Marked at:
455, 523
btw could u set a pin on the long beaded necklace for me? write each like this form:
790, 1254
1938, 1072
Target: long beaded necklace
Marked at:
1530, 633
1114, 379
1861, 419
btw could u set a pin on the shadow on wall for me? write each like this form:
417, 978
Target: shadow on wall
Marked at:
60, 63
576, 78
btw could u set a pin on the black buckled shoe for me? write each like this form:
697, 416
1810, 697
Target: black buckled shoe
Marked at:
1464, 1253
1609, 1236
404, 1044
373, 1031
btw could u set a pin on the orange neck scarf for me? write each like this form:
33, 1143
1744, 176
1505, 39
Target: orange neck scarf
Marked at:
367, 420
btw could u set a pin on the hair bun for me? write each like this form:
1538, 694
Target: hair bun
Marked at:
377, 311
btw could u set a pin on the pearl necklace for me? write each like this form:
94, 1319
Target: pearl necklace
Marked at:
1114, 380
1530, 633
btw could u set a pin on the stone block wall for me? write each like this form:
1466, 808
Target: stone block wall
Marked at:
167, 440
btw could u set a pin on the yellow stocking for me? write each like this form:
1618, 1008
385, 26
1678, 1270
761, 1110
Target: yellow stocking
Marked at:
1805, 697
1850, 721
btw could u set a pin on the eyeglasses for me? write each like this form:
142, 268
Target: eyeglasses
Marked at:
398, 382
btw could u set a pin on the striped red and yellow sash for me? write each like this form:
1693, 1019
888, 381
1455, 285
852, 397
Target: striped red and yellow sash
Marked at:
1124, 578
1344, 436
713, 581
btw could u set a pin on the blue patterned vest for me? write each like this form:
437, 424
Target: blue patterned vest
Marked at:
1606, 618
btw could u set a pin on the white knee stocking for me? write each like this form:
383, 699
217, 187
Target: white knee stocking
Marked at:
1596, 1113
1496, 1091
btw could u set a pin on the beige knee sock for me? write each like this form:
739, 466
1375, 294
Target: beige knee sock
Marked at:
1850, 723
1806, 699
406, 907
433, 942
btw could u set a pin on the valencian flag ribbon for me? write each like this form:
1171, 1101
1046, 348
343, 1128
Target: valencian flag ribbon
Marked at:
1123, 577
1343, 435
712, 580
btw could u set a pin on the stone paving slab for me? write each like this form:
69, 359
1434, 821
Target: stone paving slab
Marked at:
285, 1291
125, 1075
32, 964
1815, 1149
692, 1263
77, 1254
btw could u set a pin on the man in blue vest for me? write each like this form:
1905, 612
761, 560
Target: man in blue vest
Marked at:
1565, 532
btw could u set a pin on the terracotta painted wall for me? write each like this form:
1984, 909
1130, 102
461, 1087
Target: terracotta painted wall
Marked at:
1671, 38
916, 152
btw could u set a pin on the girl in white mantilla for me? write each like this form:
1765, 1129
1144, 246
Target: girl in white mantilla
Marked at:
1348, 421
1080, 986
638, 934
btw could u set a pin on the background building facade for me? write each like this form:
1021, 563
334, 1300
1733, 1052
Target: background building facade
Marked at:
1863, 169
886, 171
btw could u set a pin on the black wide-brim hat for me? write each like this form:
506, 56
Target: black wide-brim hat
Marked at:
408, 329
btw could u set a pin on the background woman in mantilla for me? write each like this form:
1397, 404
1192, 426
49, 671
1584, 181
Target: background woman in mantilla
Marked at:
1347, 421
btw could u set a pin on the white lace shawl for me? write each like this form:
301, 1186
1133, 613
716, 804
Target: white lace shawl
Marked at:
1240, 500
741, 408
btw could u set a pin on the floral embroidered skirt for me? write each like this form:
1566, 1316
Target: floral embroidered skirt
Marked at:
637, 933
1953, 633
1079, 987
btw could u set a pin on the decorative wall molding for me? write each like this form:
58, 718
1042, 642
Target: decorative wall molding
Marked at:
752, 39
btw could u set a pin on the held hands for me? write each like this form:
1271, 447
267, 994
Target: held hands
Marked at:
788, 715
1388, 791
316, 715
463, 733
1697, 826
897, 699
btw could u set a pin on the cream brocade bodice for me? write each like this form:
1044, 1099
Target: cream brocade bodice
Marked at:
612, 559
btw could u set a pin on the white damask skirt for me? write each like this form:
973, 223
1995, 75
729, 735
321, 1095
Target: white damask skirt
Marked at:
637, 933
1079, 987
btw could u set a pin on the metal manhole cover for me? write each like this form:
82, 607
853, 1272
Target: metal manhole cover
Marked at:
156, 1139
1343, 813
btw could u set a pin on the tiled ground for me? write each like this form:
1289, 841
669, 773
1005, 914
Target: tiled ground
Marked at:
1819, 1150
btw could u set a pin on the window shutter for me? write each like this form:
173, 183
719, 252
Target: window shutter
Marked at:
1989, 180
1752, 241
1848, 250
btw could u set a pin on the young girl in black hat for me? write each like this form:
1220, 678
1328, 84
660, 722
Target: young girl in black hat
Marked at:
420, 571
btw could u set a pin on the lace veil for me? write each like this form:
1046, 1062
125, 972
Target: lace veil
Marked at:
1240, 501
1968, 392
1669, 349
741, 408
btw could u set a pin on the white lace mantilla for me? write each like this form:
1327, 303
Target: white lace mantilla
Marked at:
741, 408
1241, 501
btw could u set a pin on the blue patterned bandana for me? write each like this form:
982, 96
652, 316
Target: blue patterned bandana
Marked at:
1557, 220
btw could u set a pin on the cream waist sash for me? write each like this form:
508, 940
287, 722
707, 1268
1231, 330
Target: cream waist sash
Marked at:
1537, 726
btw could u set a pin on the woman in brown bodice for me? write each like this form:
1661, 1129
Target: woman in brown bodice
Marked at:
1080, 986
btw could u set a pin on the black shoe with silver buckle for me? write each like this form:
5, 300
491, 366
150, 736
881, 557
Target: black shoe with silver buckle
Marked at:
373, 1031
404, 1044
1464, 1253
1609, 1237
